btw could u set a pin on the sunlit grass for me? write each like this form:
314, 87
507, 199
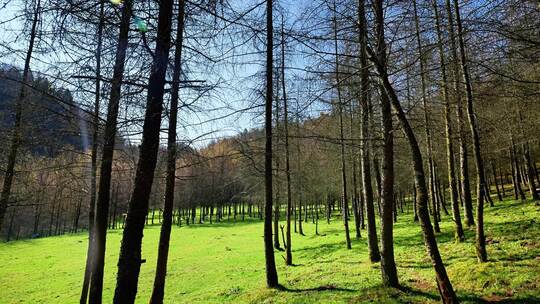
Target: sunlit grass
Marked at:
225, 263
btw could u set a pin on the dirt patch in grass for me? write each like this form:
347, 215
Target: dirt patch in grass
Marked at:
420, 284
495, 298
530, 244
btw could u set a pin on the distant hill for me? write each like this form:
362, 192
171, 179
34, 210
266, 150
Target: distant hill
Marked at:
51, 120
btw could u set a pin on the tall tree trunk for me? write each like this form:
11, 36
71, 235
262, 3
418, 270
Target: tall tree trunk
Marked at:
415, 203
165, 235
277, 245
37, 214
365, 159
288, 253
501, 174
102, 203
530, 171
277, 161
427, 127
271, 272
388, 264
514, 182
464, 162
480, 173
94, 154
499, 196
445, 287
459, 234
535, 171
516, 176
344, 194
129, 262
17, 126
354, 153
115, 205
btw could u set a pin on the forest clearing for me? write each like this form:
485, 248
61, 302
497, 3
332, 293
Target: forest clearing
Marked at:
220, 263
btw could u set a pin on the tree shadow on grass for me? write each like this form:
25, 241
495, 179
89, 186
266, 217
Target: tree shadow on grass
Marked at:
465, 297
319, 288
417, 292
471, 298
511, 231
526, 300
403, 293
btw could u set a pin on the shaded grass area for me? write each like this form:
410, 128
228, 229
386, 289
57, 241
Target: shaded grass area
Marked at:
225, 263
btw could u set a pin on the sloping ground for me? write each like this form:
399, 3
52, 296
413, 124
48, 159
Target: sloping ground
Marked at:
224, 263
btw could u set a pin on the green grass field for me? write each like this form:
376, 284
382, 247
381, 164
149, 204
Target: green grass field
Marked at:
224, 263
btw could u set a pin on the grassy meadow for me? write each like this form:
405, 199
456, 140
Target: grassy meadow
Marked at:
216, 263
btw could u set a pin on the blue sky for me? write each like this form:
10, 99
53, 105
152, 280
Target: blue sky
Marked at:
215, 115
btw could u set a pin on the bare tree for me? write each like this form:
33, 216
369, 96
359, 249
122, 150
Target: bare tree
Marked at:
481, 252
464, 162
459, 235
164, 238
129, 262
94, 155
388, 264
288, 247
102, 204
339, 103
445, 287
271, 272
18, 124
367, 190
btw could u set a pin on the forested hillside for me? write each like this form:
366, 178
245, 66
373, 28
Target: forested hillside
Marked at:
53, 119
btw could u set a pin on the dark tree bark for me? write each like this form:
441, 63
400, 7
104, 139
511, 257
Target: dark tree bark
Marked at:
464, 162
355, 200
365, 159
427, 127
487, 193
445, 287
515, 185
165, 235
344, 194
37, 213
102, 203
129, 262
376, 169
288, 249
271, 272
501, 174
415, 203
480, 174
494, 171
536, 174
441, 202
459, 234
17, 126
277, 161
530, 171
277, 245
115, 205
516, 177
388, 264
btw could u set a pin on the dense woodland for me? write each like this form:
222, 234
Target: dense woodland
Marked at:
116, 115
